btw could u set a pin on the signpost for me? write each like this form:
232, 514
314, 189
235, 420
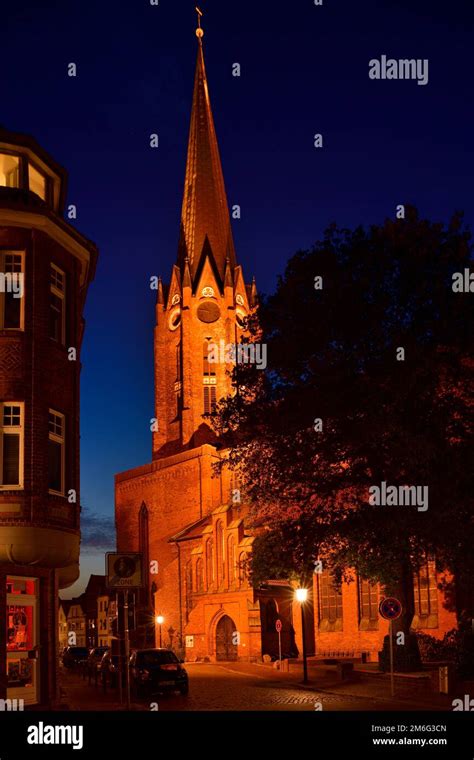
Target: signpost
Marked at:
123, 572
391, 609
278, 626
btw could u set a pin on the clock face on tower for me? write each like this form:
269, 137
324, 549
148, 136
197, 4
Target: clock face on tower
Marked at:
208, 312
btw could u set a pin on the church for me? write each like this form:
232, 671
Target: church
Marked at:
188, 521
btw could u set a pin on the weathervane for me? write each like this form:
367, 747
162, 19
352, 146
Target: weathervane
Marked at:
199, 31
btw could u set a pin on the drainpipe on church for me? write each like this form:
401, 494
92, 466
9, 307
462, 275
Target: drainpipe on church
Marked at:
180, 596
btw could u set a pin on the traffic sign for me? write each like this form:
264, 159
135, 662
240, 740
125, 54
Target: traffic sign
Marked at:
123, 570
390, 608
278, 626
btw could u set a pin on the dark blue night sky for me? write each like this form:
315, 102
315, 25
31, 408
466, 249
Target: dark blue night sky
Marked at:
304, 71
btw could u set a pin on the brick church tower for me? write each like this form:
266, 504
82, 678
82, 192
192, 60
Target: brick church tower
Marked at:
176, 510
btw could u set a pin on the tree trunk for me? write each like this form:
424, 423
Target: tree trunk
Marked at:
406, 654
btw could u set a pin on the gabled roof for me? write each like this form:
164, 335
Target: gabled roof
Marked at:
192, 530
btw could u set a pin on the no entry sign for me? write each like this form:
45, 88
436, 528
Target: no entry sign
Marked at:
278, 626
390, 608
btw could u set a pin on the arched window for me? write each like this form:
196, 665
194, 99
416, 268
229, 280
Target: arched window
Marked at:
242, 573
368, 604
209, 563
143, 544
199, 575
330, 600
189, 588
220, 552
426, 595
231, 559
208, 380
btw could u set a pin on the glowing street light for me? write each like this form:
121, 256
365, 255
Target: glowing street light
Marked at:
160, 620
301, 596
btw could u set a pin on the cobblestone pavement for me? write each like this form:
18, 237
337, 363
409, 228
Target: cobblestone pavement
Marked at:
227, 687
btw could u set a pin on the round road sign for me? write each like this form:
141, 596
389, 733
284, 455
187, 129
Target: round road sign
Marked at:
390, 608
278, 626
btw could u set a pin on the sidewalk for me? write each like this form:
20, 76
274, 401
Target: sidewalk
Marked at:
77, 695
324, 679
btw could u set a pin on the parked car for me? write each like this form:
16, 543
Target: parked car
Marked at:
154, 670
94, 659
74, 656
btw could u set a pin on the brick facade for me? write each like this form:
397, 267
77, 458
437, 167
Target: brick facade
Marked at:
39, 529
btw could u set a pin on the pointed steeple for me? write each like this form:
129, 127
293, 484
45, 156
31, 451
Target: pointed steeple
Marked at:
205, 212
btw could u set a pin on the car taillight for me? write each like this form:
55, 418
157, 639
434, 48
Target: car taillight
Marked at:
169, 667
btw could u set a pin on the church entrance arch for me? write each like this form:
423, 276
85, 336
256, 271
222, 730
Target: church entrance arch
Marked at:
226, 640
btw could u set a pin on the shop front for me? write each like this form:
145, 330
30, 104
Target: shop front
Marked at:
28, 641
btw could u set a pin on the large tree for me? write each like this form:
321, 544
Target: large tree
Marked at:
369, 380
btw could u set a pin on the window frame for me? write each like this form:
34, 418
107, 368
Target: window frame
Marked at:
61, 439
327, 588
21, 253
36, 168
21, 167
62, 295
369, 590
430, 617
19, 430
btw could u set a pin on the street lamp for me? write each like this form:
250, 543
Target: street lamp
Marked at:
301, 595
160, 620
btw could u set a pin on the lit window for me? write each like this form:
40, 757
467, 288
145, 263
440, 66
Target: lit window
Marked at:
37, 182
11, 445
11, 290
56, 452
57, 310
9, 170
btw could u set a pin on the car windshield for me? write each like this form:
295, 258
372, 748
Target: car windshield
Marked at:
155, 658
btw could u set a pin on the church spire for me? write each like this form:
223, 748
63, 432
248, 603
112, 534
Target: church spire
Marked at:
205, 218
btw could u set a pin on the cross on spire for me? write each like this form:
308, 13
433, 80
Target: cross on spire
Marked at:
199, 30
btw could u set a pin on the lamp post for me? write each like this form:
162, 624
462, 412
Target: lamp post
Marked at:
160, 620
301, 595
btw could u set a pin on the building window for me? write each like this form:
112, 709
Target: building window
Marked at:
330, 603
11, 290
9, 170
57, 305
368, 604
242, 573
231, 559
199, 575
56, 452
11, 445
37, 182
189, 589
426, 596
209, 381
209, 563
220, 552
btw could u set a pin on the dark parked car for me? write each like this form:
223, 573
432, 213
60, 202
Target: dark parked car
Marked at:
74, 656
154, 670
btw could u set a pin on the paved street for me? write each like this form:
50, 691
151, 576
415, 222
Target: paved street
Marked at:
243, 686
